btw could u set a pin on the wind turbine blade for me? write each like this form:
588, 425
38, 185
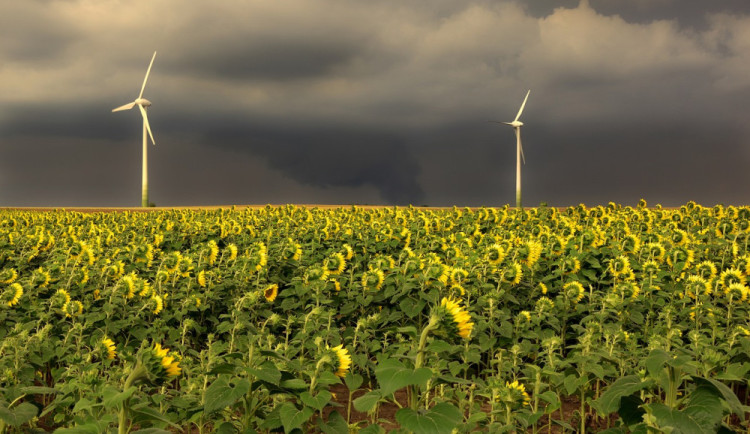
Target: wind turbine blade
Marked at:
127, 106
520, 146
145, 121
522, 106
140, 95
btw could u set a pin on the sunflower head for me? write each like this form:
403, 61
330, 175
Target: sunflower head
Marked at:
456, 318
72, 308
730, 276
372, 279
574, 291
655, 251
12, 294
697, 286
335, 263
271, 292
706, 270
156, 304
458, 275
531, 251
513, 273
619, 267
8, 276
736, 291
341, 360
513, 395
347, 251
212, 252
108, 348
163, 363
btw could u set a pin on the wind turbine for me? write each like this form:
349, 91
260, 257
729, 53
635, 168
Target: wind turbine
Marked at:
143, 104
516, 124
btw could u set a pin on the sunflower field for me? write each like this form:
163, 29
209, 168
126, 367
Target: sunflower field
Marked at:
295, 319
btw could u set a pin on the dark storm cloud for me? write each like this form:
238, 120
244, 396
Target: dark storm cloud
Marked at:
79, 120
274, 60
379, 102
332, 156
689, 13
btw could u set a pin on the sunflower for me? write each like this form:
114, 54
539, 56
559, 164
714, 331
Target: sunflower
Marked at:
167, 362
543, 304
696, 286
258, 255
291, 250
457, 275
730, 276
129, 283
158, 304
518, 392
513, 273
628, 289
271, 292
458, 316
631, 244
742, 263
315, 273
736, 291
335, 263
574, 290
8, 276
570, 265
495, 254
73, 308
342, 360
348, 252
533, 250
681, 255
543, 288
650, 267
213, 252
620, 266
41, 277
202, 278
13, 294
232, 252
655, 251
60, 298
706, 270
680, 237
109, 348
373, 279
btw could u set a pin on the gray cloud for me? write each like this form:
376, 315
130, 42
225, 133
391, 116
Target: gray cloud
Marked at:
382, 102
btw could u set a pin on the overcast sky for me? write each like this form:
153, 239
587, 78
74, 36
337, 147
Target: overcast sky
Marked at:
375, 102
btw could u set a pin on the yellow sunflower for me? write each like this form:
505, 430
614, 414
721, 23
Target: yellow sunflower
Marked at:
13, 294
342, 360
373, 279
271, 292
168, 363
459, 316
109, 347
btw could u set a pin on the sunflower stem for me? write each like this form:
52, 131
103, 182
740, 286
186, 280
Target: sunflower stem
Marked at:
136, 374
431, 325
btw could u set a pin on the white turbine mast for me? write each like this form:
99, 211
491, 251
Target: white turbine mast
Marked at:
143, 104
516, 124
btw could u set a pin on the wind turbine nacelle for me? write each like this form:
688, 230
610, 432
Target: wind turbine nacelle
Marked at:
514, 124
143, 102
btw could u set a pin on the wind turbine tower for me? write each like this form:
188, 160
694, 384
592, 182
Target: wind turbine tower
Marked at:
143, 104
516, 124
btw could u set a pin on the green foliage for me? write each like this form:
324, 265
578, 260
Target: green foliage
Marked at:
635, 311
